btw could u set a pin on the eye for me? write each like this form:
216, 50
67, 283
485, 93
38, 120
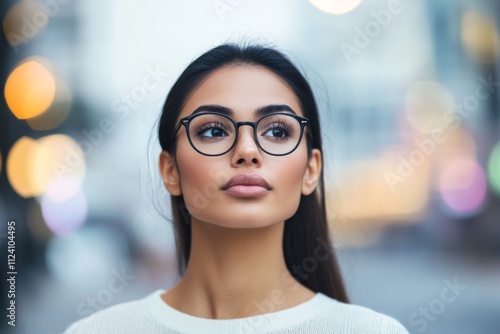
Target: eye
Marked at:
278, 130
211, 130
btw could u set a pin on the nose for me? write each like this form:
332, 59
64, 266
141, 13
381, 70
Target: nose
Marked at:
246, 151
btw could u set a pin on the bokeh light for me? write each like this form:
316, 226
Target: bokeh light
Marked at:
54, 163
60, 190
457, 143
25, 20
426, 103
378, 193
463, 186
59, 167
62, 218
494, 168
335, 6
57, 113
30, 89
20, 166
479, 37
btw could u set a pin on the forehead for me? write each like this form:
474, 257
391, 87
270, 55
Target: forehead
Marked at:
242, 88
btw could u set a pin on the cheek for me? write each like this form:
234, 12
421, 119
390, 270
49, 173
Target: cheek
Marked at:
292, 168
288, 182
290, 178
200, 177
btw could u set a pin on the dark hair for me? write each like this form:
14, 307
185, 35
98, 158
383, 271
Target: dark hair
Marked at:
307, 229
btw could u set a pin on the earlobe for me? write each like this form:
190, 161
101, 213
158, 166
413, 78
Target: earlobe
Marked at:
169, 173
312, 173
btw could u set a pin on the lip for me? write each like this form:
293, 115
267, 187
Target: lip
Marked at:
247, 185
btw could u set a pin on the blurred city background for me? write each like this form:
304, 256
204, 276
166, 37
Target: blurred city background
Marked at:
409, 92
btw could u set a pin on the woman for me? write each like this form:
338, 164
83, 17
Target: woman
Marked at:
242, 162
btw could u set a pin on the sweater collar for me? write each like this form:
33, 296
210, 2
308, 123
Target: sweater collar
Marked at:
185, 323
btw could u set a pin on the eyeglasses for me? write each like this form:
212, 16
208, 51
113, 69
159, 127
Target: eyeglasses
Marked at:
213, 133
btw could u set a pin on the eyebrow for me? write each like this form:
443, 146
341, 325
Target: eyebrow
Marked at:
259, 112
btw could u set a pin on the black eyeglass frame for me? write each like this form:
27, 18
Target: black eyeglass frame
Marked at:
303, 121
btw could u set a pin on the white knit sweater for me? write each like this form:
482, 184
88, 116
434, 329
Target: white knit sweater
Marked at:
319, 315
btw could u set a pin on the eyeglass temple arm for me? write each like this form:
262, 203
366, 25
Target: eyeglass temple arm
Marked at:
175, 132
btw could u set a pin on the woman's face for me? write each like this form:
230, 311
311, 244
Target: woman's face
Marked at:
201, 179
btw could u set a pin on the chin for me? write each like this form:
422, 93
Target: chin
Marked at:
247, 221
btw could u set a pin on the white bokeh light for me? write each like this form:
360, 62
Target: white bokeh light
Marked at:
335, 6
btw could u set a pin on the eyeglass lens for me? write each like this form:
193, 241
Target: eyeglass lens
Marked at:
215, 134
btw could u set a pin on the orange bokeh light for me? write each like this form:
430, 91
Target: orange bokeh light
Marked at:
19, 167
30, 89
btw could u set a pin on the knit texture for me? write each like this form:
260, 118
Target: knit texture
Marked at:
319, 315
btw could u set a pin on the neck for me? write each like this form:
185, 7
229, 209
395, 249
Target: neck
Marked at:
234, 273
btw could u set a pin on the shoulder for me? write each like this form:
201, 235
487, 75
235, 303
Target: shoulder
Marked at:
128, 317
351, 318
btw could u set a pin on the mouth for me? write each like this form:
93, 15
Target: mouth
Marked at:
247, 185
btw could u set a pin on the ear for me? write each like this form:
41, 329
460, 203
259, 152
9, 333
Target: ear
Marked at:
313, 173
170, 173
